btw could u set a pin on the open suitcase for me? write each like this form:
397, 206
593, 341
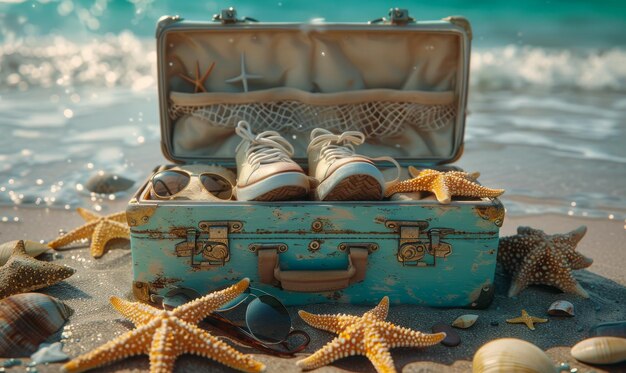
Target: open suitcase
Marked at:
400, 82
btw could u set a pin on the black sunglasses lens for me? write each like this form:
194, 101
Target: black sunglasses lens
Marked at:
217, 185
179, 296
268, 320
168, 183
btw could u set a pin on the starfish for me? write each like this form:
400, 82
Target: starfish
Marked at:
198, 82
533, 257
368, 335
22, 273
443, 184
243, 76
526, 319
101, 229
164, 335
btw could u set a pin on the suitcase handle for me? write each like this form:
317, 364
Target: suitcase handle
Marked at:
312, 281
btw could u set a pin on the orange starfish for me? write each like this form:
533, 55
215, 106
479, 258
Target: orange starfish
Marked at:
101, 229
527, 319
443, 184
368, 335
164, 335
198, 81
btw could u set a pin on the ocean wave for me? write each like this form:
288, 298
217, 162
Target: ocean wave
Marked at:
129, 61
522, 67
107, 61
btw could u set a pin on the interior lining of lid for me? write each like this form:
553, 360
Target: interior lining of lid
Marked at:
399, 88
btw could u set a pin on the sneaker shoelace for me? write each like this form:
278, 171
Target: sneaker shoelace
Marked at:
334, 147
266, 147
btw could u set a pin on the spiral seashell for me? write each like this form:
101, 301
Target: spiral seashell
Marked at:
28, 319
511, 355
561, 308
32, 248
600, 350
465, 321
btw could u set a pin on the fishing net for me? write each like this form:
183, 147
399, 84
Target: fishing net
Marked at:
374, 118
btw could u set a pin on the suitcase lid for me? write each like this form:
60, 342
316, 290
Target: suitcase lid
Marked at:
402, 83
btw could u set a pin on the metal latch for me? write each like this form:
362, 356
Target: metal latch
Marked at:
412, 249
208, 246
397, 16
229, 16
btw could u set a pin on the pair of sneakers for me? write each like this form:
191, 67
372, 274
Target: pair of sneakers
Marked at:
266, 172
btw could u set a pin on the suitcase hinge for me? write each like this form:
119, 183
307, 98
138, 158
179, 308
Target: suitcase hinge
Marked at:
397, 16
208, 246
229, 16
412, 249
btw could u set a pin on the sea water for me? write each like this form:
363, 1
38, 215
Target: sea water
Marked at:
547, 102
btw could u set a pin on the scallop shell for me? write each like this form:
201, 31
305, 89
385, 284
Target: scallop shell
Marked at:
32, 248
465, 321
511, 355
561, 308
28, 319
600, 350
107, 183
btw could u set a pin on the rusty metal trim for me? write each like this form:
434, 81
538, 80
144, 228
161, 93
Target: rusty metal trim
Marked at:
279, 246
494, 213
234, 226
141, 291
138, 215
370, 246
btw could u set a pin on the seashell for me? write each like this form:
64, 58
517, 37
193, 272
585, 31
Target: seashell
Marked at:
511, 355
32, 248
107, 183
561, 308
609, 329
26, 320
49, 353
465, 321
600, 350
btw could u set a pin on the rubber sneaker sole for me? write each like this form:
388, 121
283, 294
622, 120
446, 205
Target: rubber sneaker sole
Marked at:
357, 181
280, 187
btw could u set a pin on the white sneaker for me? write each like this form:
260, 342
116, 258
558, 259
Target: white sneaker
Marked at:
342, 174
265, 170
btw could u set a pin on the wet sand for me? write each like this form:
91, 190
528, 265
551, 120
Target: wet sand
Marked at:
95, 322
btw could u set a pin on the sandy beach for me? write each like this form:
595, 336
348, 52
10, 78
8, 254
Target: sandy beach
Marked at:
94, 321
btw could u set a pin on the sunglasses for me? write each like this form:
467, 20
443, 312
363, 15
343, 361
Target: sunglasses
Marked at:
169, 184
267, 325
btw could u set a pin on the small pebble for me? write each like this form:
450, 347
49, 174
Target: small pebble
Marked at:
11, 363
580, 329
494, 323
563, 367
452, 337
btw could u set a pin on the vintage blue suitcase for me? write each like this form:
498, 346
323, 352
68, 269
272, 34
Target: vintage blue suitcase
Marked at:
403, 83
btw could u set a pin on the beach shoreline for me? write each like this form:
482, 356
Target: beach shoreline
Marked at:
95, 322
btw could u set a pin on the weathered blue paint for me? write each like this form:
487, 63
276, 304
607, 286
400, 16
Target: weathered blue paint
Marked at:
456, 280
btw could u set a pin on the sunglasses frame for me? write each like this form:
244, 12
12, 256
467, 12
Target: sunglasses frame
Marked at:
242, 333
191, 175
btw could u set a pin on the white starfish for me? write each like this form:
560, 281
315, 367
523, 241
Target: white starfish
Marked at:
244, 76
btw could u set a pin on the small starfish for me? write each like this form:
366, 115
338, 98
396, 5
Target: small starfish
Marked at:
526, 319
243, 76
198, 82
443, 184
368, 335
22, 273
101, 229
533, 257
164, 335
